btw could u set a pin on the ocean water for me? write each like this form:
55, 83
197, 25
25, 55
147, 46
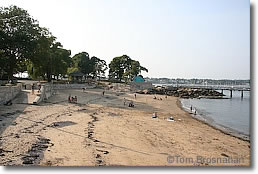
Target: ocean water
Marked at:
230, 115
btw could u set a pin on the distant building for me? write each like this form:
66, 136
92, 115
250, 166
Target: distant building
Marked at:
77, 76
138, 83
138, 79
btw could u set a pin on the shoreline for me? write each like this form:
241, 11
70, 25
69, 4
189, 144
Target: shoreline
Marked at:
225, 130
100, 130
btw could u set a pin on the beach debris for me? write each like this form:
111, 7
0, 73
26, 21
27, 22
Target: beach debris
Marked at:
225, 155
35, 154
103, 151
2, 151
62, 124
113, 114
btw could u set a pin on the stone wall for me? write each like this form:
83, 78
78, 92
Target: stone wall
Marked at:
2, 82
140, 85
9, 92
47, 90
73, 86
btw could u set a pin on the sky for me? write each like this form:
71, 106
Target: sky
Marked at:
171, 38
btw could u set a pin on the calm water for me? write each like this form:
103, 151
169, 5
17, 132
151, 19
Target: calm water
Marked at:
232, 115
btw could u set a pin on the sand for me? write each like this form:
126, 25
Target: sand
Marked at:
102, 131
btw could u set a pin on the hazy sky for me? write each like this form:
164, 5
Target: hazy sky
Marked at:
172, 38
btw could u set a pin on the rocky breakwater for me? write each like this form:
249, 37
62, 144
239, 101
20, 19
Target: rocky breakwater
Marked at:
183, 92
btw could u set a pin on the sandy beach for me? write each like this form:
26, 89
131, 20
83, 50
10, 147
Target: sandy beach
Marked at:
102, 131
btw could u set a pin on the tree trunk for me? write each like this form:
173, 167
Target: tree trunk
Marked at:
48, 77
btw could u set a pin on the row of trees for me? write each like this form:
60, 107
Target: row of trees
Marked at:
25, 46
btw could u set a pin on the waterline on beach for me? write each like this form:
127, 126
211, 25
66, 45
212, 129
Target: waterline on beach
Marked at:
221, 114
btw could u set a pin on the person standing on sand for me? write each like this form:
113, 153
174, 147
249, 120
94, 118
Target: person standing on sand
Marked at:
191, 108
32, 88
135, 96
103, 93
124, 102
39, 86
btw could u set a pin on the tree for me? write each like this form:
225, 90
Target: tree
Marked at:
100, 66
81, 61
89, 66
61, 59
49, 58
124, 68
118, 66
18, 34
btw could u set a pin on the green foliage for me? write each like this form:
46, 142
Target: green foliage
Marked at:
18, 34
124, 68
50, 59
93, 66
24, 45
81, 61
99, 67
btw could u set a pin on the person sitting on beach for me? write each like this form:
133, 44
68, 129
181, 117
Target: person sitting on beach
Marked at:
75, 99
83, 89
131, 104
154, 115
154, 97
